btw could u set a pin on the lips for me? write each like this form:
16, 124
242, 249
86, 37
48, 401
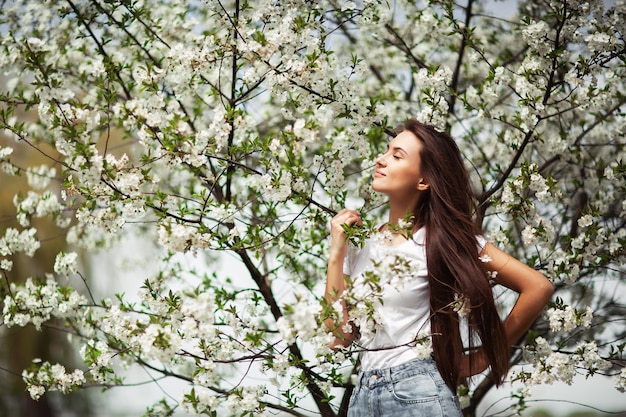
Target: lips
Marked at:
378, 173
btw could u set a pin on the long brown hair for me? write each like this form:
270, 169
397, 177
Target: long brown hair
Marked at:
446, 213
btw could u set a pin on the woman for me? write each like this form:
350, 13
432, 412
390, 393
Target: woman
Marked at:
422, 173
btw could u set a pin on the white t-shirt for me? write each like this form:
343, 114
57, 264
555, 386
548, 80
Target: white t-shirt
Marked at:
404, 310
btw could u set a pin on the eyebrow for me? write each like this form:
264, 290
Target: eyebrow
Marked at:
397, 148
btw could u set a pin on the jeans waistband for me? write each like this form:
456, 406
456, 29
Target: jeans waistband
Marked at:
373, 377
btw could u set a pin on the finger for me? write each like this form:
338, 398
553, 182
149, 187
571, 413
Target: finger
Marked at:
346, 218
345, 214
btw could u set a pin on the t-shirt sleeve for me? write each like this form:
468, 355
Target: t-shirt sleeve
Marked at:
348, 262
482, 242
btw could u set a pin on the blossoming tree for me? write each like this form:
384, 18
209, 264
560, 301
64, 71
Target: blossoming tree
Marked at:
238, 127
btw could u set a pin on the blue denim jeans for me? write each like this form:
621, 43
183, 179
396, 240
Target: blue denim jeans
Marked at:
413, 389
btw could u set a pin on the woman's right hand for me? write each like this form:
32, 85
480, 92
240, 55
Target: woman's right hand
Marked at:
338, 243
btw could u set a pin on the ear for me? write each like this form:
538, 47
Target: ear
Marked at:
422, 184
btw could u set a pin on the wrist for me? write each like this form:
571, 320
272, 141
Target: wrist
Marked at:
337, 255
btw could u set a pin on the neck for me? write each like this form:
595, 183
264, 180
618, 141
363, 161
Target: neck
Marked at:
400, 207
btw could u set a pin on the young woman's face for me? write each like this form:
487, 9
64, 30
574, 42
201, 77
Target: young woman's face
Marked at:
398, 169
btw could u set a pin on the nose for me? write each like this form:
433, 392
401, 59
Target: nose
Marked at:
380, 161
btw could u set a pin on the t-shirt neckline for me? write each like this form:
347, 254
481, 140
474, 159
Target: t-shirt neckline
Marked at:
375, 241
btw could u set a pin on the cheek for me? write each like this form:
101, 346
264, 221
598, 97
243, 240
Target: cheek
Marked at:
406, 181
410, 175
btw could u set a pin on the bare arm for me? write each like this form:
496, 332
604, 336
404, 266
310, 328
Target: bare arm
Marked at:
534, 291
533, 288
335, 278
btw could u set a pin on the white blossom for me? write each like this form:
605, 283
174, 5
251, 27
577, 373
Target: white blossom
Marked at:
383, 237
5, 152
13, 242
6, 264
461, 305
620, 380
39, 178
423, 346
568, 318
528, 234
485, 258
66, 263
36, 391
585, 221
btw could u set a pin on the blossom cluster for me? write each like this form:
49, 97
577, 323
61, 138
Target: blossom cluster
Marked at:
37, 302
550, 366
388, 272
14, 241
54, 377
568, 318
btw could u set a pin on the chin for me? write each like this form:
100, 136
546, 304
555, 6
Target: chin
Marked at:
378, 189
